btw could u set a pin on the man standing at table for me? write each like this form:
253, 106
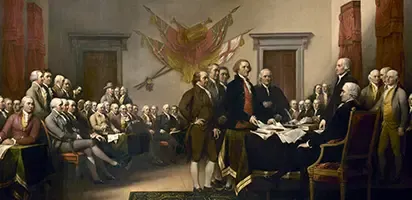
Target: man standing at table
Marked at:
241, 107
343, 72
196, 106
275, 104
21, 128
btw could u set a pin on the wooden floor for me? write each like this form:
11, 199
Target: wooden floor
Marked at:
144, 176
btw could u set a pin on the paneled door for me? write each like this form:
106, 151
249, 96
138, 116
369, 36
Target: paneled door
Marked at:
282, 63
99, 68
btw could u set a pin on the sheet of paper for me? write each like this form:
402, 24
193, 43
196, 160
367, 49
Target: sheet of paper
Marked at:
275, 127
319, 131
112, 137
3, 150
291, 136
260, 124
264, 131
264, 136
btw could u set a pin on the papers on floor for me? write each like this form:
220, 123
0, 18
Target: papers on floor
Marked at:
3, 150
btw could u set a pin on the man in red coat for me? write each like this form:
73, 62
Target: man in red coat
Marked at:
23, 127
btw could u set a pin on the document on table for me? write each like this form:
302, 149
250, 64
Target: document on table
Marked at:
175, 131
286, 135
3, 150
291, 136
112, 137
273, 127
264, 134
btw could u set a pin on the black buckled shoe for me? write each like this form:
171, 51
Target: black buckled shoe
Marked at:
208, 189
110, 177
98, 182
230, 188
218, 185
197, 190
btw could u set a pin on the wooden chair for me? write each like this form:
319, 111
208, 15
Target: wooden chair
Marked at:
73, 158
356, 161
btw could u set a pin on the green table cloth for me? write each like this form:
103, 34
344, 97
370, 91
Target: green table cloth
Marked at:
23, 168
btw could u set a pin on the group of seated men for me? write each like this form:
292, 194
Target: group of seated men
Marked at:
111, 130
313, 106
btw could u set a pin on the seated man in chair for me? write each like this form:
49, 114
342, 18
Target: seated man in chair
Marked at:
335, 129
21, 128
101, 125
66, 141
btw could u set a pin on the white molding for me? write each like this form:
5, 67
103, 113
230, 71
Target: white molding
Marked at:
284, 41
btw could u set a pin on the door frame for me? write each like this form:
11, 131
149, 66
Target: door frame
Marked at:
284, 41
82, 42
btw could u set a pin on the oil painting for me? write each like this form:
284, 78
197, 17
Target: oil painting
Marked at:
205, 100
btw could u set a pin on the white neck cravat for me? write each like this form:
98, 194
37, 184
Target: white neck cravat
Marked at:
43, 93
207, 92
26, 116
388, 87
61, 115
267, 89
4, 114
224, 86
167, 115
74, 117
340, 77
130, 115
247, 83
214, 84
65, 92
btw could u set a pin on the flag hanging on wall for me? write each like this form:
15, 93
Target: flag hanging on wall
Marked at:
191, 49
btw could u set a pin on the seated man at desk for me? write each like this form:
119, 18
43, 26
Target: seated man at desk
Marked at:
21, 128
336, 128
338, 125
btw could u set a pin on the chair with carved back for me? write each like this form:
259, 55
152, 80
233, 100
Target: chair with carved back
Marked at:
73, 158
356, 161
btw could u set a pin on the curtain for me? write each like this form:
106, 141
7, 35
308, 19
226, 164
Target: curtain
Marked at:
389, 35
12, 80
350, 37
35, 36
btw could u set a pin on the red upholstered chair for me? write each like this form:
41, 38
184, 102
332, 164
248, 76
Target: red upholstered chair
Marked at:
356, 162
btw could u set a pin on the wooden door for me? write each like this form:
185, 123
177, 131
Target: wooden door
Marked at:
282, 63
99, 68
